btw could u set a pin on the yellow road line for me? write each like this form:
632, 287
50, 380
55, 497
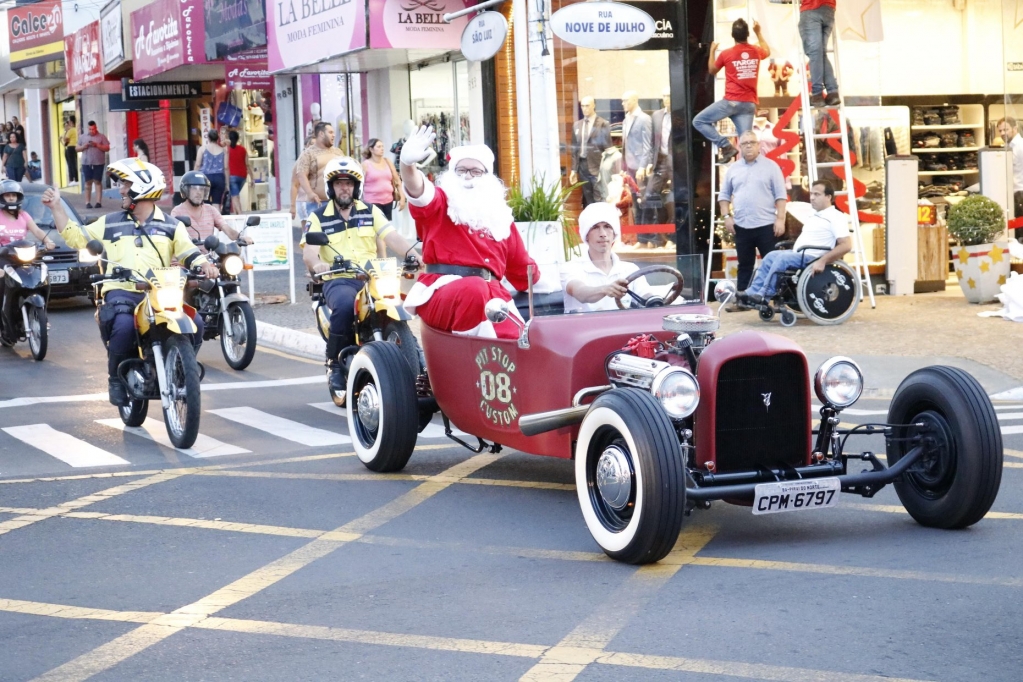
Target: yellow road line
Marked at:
471, 646
756, 671
1013, 453
500, 550
500, 482
124, 647
81, 477
101, 496
897, 509
1012, 465
200, 523
32, 608
585, 644
860, 571
289, 356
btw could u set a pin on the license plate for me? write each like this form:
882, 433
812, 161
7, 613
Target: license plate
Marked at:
59, 277
772, 498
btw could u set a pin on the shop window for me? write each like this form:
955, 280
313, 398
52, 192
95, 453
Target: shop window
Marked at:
440, 98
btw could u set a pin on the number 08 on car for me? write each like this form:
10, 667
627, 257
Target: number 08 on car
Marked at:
772, 498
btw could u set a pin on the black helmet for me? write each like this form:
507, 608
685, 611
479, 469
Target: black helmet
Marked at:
11, 187
194, 179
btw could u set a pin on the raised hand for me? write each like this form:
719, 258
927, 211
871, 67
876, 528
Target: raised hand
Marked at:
417, 146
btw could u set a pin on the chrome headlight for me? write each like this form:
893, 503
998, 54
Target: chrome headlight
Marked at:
85, 257
232, 265
25, 254
677, 391
838, 382
169, 298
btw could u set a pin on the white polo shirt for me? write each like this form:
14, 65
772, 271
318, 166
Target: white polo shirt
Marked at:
586, 271
823, 228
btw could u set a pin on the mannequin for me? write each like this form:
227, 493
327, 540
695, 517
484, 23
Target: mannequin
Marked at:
314, 111
658, 205
591, 135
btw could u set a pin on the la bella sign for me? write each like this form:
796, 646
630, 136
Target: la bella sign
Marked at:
602, 25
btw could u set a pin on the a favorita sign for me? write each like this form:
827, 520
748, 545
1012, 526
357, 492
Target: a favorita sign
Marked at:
165, 35
603, 25
248, 70
303, 32
35, 33
82, 59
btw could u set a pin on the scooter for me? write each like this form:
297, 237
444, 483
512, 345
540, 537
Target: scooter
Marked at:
26, 293
226, 312
379, 314
166, 369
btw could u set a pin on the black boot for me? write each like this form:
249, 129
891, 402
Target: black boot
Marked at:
337, 379
116, 388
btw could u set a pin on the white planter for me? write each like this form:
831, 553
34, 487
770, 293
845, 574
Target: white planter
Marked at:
545, 243
982, 270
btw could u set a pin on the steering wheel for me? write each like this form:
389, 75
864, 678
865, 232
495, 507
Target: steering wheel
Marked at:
653, 301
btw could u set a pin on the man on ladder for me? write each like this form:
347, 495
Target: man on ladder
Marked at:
816, 22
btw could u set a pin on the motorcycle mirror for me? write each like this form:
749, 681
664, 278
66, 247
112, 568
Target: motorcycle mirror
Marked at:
211, 243
95, 247
496, 311
316, 239
91, 219
253, 220
185, 220
724, 292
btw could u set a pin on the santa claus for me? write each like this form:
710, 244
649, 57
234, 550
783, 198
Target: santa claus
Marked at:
469, 242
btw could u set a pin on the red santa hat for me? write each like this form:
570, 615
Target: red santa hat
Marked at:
599, 212
477, 152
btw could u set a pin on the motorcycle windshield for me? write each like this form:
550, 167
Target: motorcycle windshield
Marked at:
168, 278
581, 274
388, 281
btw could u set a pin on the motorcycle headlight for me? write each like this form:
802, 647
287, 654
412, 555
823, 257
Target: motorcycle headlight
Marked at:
232, 265
677, 391
169, 299
388, 287
85, 257
838, 382
25, 254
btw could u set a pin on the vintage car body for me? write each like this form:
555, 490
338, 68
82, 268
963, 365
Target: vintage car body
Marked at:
661, 418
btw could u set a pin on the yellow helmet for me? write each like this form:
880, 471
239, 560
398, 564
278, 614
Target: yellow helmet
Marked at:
147, 182
343, 167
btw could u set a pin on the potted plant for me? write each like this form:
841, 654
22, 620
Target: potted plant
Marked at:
981, 263
539, 214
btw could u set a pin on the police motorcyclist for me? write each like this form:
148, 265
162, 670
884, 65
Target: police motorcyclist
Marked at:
195, 190
15, 224
355, 229
139, 237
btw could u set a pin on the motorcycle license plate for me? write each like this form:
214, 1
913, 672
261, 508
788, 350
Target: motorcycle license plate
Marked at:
772, 498
59, 277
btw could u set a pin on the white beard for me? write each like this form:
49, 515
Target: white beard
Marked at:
481, 207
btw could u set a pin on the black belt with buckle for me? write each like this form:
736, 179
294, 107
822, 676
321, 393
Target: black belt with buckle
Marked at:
460, 270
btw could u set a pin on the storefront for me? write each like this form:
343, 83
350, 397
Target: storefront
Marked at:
250, 88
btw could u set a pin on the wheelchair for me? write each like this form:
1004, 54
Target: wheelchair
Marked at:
827, 298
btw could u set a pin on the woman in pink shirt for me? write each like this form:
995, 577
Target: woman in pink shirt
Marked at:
381, 183
15, 224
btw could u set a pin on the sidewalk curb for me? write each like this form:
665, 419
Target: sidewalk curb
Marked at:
290, 340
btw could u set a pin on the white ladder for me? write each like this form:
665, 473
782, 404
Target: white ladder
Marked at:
811, 135
715, 167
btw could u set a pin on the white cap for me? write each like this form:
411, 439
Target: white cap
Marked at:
477, 152
599, 212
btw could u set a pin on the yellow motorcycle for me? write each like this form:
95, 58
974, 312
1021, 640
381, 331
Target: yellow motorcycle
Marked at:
379, 314
166, 369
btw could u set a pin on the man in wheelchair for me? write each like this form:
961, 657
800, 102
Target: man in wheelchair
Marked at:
825, 239
598, 279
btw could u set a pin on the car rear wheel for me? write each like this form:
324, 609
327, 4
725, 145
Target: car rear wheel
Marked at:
955, 482
382, 407
629, 476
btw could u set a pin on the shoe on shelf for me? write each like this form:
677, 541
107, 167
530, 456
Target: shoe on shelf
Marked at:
88, 205
728, 152
833, 99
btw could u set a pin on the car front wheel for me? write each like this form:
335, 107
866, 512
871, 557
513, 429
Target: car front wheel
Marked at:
382, 407
630, 477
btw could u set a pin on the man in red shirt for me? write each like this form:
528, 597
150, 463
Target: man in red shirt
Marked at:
469, 241
742, 67
816, 22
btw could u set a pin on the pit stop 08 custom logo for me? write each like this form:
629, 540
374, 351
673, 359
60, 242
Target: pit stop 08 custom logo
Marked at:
497, 389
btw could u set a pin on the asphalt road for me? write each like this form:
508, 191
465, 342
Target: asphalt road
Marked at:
270, 553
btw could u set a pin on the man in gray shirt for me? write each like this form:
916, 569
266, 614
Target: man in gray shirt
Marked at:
94, 146
755, 188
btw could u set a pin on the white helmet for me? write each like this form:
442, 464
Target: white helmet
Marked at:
147, 182
343, 167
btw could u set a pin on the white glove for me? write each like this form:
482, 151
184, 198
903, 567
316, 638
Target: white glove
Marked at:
417, 146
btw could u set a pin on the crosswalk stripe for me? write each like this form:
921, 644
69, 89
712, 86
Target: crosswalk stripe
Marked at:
1006, 416
154, 430
432, 430
1009, 430
65, 447
280, 427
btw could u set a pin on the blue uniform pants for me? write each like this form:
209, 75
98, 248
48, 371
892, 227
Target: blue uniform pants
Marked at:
340, 296
122, 342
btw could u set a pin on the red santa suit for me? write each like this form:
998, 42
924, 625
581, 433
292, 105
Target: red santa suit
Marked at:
454, 303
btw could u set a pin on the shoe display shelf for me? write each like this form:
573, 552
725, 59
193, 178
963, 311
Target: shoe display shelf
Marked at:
950, 129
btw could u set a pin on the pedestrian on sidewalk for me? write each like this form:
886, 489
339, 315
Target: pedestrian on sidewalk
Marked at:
18, 129
141, 150
755, 188
816, 22
34, 170
741, 63
238, 168
94, 146
15, 158
382, 187
313, 160
70, 140
212, 162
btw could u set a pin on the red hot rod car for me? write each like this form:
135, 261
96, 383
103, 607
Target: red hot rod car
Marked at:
662, 418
